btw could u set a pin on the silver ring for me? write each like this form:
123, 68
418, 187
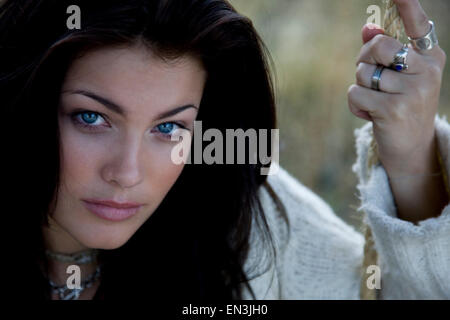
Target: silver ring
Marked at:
376, 78
399, 63
427, 42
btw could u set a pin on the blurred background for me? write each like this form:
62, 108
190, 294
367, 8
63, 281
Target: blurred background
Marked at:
314, 44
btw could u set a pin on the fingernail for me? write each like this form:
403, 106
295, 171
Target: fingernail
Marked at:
373, 26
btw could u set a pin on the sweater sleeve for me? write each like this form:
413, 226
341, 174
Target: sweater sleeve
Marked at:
414, 259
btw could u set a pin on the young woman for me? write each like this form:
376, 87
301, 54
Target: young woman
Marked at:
91, 113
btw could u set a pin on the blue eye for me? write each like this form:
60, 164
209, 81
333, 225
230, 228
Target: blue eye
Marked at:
95, 121
89, 120
89, 117
166, 128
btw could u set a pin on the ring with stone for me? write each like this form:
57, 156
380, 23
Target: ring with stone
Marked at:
399, 63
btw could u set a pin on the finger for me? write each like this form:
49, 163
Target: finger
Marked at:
391, 81
370, 101
417, 25
414, 18
382, 50
359, 113
370, 30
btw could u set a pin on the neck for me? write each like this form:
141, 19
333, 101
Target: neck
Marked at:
56, 239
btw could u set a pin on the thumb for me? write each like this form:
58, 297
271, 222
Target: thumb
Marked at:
370, 30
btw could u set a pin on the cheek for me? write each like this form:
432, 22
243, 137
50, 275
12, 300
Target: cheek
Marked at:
161, 172
79, 159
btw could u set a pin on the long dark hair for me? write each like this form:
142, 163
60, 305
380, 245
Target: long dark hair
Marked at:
195, 244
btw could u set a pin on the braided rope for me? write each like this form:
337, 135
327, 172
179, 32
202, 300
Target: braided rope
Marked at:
370, 254
392, 24
393, 27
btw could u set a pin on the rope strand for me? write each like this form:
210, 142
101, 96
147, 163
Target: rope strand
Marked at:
393, 27
392, 24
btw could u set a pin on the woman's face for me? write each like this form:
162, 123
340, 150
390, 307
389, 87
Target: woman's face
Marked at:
115, 123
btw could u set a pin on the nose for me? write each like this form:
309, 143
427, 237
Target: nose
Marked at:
122, 167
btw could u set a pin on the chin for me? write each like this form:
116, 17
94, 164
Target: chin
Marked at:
106, 245
108, 242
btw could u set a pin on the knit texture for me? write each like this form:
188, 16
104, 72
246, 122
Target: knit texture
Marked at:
323, 257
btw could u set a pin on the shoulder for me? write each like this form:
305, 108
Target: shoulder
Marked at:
323, 254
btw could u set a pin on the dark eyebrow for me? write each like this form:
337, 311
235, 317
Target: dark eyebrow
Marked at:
118, 109
175, 111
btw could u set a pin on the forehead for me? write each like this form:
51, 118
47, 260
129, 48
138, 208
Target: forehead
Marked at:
134, 76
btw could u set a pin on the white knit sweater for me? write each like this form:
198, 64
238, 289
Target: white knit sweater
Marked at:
323, 258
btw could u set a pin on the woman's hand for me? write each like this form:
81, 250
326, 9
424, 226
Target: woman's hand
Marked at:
404, 109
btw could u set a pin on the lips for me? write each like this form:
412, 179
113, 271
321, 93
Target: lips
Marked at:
112, 210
